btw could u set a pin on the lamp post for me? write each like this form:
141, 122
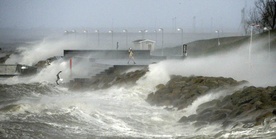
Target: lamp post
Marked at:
251, 38
125, 31
98, 33
74, 31
268, 29
143, 33
217, 31
111, 31
155, 31
180, 29
86, 33
162, 31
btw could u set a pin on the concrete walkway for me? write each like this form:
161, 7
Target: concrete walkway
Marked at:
125, 61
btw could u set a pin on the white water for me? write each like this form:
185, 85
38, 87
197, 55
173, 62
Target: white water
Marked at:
116, 112
123, 111
112, 112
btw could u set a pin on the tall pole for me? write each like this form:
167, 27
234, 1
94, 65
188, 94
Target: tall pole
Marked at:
86, 33
155, 31
250, 46
143, 33
126, 37
251, 38
74, 31
71, 66
111, 31
162, 31
267, 29
194, 24
180, 29
217, 31
269, 45
98, 33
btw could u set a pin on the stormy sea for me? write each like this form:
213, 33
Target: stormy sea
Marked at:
45, 110
35, 107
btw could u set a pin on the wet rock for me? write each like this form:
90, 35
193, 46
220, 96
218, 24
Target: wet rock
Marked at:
206, 105
10, 108
181, 91
248, 125
160, 86
112, 76
205, 115
183, 119
44, 63
188, 119
254, 104
4, 58
274, 112
260, 119
273, 95
200, 123
217, 116
228, 124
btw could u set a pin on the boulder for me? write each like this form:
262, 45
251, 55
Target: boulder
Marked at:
181, 91
4, 58
110, 77
250, 105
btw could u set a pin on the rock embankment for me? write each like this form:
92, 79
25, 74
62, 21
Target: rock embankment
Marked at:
182, 91
250, 106
116, 75
4, 58
245, 106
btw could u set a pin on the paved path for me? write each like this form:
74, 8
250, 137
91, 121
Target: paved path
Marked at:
125, 62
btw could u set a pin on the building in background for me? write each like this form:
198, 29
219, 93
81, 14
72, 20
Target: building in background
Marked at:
144, 44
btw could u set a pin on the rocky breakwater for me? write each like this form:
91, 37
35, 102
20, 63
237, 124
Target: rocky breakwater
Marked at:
116, 75
240, 106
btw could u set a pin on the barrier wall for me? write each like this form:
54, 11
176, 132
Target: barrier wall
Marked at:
107, 54
14, 70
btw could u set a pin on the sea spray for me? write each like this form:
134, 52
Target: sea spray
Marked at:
42, 50
201, 100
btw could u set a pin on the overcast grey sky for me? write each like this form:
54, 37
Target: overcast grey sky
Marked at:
201, 14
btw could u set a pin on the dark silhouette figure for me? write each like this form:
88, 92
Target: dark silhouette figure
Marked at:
58, 78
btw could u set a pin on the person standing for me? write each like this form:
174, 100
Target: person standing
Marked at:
58, 78
117, 45
130, 56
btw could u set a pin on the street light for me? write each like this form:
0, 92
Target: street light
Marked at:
155, 31
217, 31
86, 33
162, 30
143, 33
250, 46
74, 31
126, 37
111, 31
180, 29
98, 33
268, 29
